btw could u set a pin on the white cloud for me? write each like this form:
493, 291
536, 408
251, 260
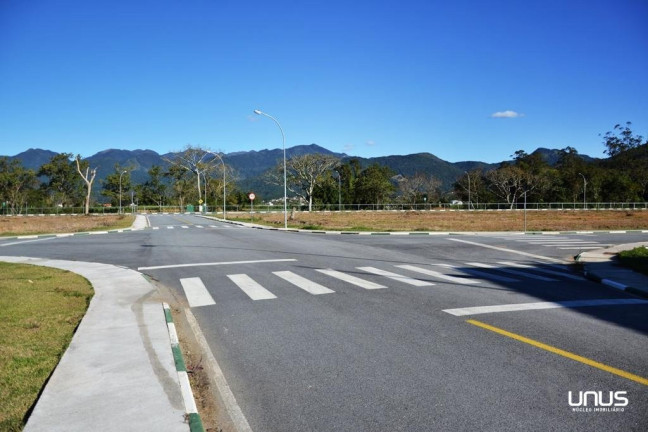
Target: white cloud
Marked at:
371, 143
347, 148
506, 114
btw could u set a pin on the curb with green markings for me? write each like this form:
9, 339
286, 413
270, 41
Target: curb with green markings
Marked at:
195, 422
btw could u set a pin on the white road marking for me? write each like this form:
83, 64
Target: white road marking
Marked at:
542, 270
303, 283
580, 247
479, 273
156, 228
395, 276
214, 264
198, 226
351, 279
541, 305
169, 227
508, 250
251, 287
513, 272
454, 279
184, 226
196, 292
26, 241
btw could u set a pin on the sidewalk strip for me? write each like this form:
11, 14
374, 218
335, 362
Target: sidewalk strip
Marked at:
477, 310
195, 422
563, 353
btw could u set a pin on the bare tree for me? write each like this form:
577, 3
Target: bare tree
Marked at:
88, 178
195, 160
413, 188
511, 182
304, 173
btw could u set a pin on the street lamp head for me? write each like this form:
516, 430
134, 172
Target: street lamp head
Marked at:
258, 112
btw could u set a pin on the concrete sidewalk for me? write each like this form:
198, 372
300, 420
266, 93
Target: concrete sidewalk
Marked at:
118, 373
601, 266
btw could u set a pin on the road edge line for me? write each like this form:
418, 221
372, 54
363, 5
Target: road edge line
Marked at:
231, 405
191, 411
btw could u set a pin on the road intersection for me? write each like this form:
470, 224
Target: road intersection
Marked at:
367, 333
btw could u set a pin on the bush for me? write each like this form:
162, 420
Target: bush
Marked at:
636, 259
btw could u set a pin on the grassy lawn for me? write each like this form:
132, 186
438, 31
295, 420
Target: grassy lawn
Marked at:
27, 225
40, 309
636, 259
455, 221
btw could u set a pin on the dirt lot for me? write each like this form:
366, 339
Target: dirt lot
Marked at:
25, 225
460, 220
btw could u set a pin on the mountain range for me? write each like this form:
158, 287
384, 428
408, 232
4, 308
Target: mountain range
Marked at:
250, 165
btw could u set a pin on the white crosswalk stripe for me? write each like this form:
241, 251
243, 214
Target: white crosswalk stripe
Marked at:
196, 292
351, 279
454, 279
480, 273
513, 272
198, 295
250, 287
395, 276
303, 283
541, 270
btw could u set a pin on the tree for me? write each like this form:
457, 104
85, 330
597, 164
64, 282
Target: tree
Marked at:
62, 186
181, 183
304, 173
116, 184
413, 189
153, 191
624, 141
374, 185
16, 183
195, 160
88, 178
510, 182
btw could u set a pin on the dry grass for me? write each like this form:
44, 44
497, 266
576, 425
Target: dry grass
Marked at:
458, 221
26, 225
40, 309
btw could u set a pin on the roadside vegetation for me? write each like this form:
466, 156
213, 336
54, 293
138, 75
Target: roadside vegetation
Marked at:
40, 308
455, 221
26, 225
636, 259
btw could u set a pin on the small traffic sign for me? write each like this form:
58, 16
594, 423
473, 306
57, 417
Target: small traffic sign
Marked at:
251, 196
200, 201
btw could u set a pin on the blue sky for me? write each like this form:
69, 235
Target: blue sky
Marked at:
463, 80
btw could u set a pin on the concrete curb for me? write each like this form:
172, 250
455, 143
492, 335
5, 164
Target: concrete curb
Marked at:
614, 284
195, 422
416, 233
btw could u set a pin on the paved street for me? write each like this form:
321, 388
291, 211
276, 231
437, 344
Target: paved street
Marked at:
341, 332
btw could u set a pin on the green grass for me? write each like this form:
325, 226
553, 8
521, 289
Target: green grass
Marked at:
636, 259
40, 309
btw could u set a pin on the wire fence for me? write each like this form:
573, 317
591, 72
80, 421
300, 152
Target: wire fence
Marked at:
262, 208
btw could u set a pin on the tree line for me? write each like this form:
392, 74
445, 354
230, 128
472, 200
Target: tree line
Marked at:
198, 175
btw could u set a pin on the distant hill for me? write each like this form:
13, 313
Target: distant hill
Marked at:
34, 158
251, 165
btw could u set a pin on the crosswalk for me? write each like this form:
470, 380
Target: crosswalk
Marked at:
372, 278
563, 242
171, 227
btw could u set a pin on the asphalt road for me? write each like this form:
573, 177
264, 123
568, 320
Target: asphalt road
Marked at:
379, 333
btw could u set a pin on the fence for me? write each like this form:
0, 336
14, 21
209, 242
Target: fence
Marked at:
261, 208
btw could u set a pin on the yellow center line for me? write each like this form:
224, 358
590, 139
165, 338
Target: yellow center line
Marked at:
560, 352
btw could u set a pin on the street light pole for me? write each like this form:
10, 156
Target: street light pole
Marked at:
584, 191
339, 190
120, 190
224, 195
468, 189
283, 139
